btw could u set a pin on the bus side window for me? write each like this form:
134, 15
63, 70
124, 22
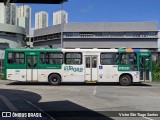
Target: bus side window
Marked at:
42, 61
117, 58
132, 58
123, 58
109, 58
16, 58
42, 58
10, 61
54, 58
73, 58
128, 58
34, 62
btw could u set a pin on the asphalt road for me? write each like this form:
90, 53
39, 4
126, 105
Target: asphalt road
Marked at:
65, 100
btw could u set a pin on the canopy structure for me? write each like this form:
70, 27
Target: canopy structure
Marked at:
6, 2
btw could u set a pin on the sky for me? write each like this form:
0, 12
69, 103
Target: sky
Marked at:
103, 10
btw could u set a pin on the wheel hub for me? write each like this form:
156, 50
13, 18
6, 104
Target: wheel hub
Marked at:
54, 79
125, 80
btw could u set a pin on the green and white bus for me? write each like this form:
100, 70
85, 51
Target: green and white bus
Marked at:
78, 65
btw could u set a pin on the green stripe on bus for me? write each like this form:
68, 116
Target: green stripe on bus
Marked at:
121, 50
124, 68
38, 67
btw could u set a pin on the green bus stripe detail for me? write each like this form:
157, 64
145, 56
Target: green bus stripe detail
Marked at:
124, 68
52, 68
121, 50
39, 66
29, 51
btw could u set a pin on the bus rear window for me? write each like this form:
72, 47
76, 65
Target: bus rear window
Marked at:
15, 58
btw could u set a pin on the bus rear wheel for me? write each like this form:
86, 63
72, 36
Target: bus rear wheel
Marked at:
125, 80
54, 79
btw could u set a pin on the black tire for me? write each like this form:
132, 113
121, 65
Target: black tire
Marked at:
54, 79
125, 80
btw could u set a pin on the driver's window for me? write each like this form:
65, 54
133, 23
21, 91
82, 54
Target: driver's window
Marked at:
128, 58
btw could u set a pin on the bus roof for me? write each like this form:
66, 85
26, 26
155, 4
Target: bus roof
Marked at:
121, 50
33, 49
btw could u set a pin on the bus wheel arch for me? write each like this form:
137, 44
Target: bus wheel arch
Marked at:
54, 79
125, 79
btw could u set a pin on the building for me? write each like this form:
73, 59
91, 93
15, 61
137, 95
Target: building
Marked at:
11, 36
41, 20
24, 18
57, 17
29, 40
8, 14
100, 35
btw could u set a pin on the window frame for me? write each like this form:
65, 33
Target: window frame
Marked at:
48, 58
43, 58
16, 58
65, 60
128, 59
109, 58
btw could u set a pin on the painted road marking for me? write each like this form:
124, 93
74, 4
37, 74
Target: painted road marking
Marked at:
95, 90
49, 116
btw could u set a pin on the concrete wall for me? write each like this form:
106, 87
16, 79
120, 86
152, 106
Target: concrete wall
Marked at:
14, 42
110, 43
12, 29
99, 27
100, 41
11, 37
45, 44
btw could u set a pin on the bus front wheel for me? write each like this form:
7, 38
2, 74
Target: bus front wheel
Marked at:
54, 79
125, 80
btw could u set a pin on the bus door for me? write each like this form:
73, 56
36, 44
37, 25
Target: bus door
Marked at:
91, 68
32, 72
144, 68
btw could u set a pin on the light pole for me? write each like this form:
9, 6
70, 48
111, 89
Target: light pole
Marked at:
62, 25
